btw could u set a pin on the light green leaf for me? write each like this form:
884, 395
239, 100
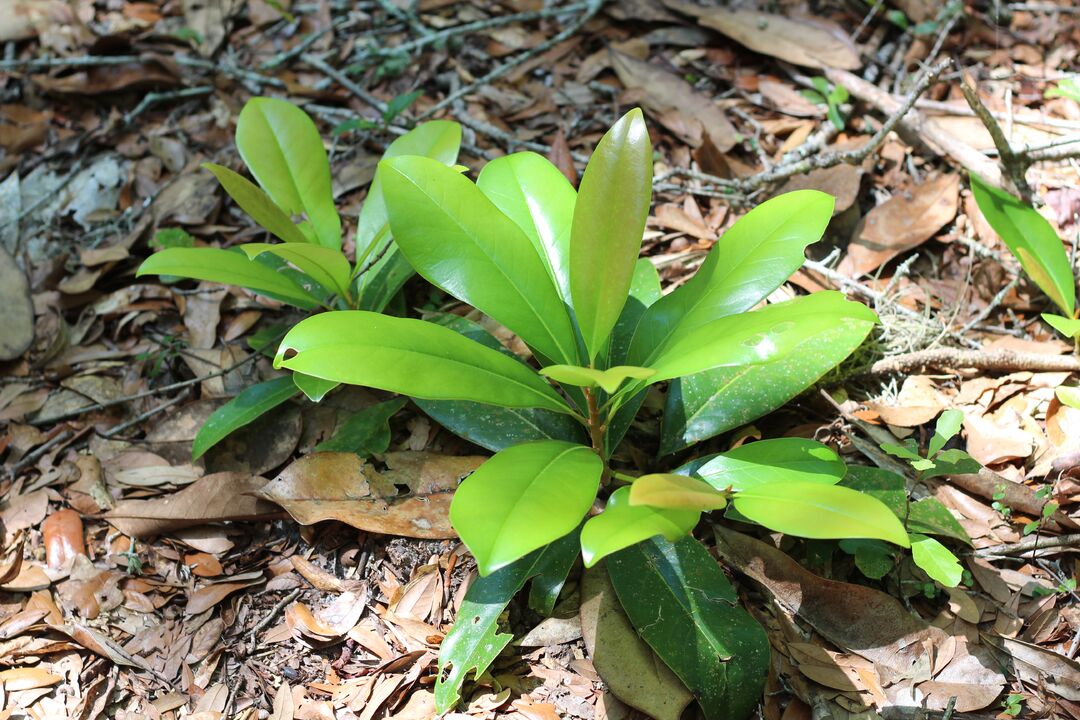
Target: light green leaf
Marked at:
822, 512
246, 407
411, 357
622, 525
684, 607
759, 252
314, 388
535, 194
253, 200
324, 265
366, 432
474, 641
229, 268
901, 451
1031, 238
1067, 395
282, 147
439, 140
770, 461
758, 336
678, 492
1068, 327
609, 379
609, 221
457, 239
706, 404
936, 560
524, 498
948, 424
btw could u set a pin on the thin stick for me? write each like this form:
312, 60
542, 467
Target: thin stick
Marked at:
117, 429
1014, 166
995, 361
343, 80
1030, 544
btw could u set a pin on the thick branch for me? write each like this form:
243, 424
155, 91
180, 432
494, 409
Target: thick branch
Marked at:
991, 360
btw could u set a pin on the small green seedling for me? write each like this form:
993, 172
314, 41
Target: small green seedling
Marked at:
560, 269
832, 97
937, 461
292, 199
1067, 87
1012, 705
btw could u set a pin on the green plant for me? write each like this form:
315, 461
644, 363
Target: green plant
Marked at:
1012, 705
560, 269
1033, 241
1067, 87
831, 96
281, 147
937, 460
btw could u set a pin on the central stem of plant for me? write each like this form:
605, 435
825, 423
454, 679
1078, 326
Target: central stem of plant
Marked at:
596, 430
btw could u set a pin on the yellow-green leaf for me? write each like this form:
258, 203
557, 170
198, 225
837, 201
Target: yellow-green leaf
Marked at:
679, 492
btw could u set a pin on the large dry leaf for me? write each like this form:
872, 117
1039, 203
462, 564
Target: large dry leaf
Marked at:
210, 595
810, 42
1037, 665
213, 498
17, 318
666, 92
854, 617
904, 221
341, 486
62, 533
972, 676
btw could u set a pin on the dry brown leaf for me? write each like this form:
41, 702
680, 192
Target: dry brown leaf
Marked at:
17, 319
904, 221
1038, 665
27, 678
341, 486
21, 19
918, 402
841, 181
212, 498
810, 42
203, 565
100, 644
321, 579
561, 157
971, 677
63, 536
24, 511
667, 92
208, 596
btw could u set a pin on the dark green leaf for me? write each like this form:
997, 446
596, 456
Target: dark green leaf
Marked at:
241, 410
366, 432
644, 291
874, 558
686, 610
382, 281
930, 517
885, 485
609, 220
546, 586
399, 104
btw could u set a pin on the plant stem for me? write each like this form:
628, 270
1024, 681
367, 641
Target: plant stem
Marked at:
597, 427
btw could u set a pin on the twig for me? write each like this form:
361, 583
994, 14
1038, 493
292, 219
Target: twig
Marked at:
1015, 167
39, 452
591, 8
992, 305
991, 360
157, 97
343, 80
1030, 544
269, 617
302, 47
117, 429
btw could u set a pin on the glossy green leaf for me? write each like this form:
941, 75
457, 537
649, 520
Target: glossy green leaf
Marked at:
1068, 327
457, 239
609, 379
678, 492
1067, 395
524, 498
366, 432
324, 265
821, 512
535, 194
411, 357
759, 252
382, 281
770, 461
1031, 238
253, 200
249, 405
707, 404
622, 524
282, 147
609, 221
884, 485
474, 641
930, 517
758, 336
936, 560
229, 268
685, 608
439, 140
314, 388
953, 461
546, 586
948, 424
644, 291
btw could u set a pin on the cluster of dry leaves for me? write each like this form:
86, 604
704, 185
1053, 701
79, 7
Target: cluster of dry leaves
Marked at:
263, 580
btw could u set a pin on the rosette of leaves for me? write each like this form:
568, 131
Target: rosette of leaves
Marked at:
560, 269
292, 199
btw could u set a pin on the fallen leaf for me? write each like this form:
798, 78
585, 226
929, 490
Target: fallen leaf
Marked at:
63, 536
17, 319
810, 42
22, 19
27, 678
841, 181
667, 92
203, 565
210, 595
341, 486
24, 511
212, 498
904, 221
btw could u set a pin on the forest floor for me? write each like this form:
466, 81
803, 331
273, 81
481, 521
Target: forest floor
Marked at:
136, 583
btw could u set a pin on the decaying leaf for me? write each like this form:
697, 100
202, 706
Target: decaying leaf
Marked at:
17, 318
341, 486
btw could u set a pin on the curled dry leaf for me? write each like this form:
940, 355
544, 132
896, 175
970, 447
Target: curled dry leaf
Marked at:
810, 42
904, 221
341, 486
27, 678
213, 498
210, 595
63, 536
666, 92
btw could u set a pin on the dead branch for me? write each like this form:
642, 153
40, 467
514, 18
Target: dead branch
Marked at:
989, 360
1030, 544
1014, 165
